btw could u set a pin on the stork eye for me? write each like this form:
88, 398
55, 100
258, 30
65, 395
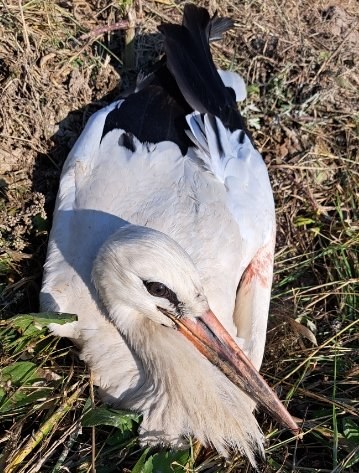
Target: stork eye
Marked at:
157, 289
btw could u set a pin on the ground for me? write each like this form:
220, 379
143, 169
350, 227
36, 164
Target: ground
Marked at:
300, 61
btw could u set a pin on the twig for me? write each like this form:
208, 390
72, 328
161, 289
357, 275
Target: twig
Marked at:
93, 449
319, 397
139, 8
73, 433
334, 53
129, 53
119, 25
43, 431
299, 366
26, 36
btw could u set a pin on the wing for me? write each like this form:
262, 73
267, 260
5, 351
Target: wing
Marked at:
226, 150
107, 181
60, 287
233, 160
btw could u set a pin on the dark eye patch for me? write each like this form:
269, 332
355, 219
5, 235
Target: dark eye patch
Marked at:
158, 289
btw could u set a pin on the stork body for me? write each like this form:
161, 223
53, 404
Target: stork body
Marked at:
184, 201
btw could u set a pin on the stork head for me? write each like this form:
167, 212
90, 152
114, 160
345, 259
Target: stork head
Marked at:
148, 274
153, 294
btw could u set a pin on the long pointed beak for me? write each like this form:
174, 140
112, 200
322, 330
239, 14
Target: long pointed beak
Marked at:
209, 336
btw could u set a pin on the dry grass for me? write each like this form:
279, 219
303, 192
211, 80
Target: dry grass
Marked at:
300, 62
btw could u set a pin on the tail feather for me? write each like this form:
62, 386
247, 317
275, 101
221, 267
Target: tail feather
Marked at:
190, 62
218, 26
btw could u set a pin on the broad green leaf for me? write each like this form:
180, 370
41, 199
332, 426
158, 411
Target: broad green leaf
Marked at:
170, 461
162, 462
32, 324
148, 466
123, 420
23, 397
2, 395
120, 439
18, 373
18, 380
140, 464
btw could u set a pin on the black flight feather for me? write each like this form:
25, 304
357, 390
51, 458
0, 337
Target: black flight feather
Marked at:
190, 61
218, 26
184, 80
152, 115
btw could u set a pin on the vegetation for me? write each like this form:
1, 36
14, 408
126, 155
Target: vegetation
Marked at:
300, 62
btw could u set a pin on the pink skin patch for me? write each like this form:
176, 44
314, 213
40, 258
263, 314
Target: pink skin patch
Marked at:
260, 267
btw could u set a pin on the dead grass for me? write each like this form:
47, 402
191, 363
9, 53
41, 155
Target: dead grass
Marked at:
300, 62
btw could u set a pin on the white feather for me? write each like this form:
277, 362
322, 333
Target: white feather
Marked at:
195, 223
236, 82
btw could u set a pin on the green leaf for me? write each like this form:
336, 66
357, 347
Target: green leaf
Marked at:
32, 324
162, 462
351, 430
18, 380
170, 461
23, 397
123, 420
141, 463
18, 373
301, 221
324, 55
351, 434
253, 89
5, 265
39, 223
120, 439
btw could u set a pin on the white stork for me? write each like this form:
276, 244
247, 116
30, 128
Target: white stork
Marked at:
165, 217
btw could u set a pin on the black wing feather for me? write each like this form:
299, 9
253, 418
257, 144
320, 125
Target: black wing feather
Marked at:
185, 80
218, 26
151, 115
190, 61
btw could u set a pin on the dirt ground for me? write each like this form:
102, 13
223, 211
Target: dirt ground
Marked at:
300, 61
300, 65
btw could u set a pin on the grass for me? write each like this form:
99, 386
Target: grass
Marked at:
299, 59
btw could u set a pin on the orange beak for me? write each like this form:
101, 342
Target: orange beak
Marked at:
209, 336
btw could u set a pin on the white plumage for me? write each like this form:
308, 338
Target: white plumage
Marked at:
201, 222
